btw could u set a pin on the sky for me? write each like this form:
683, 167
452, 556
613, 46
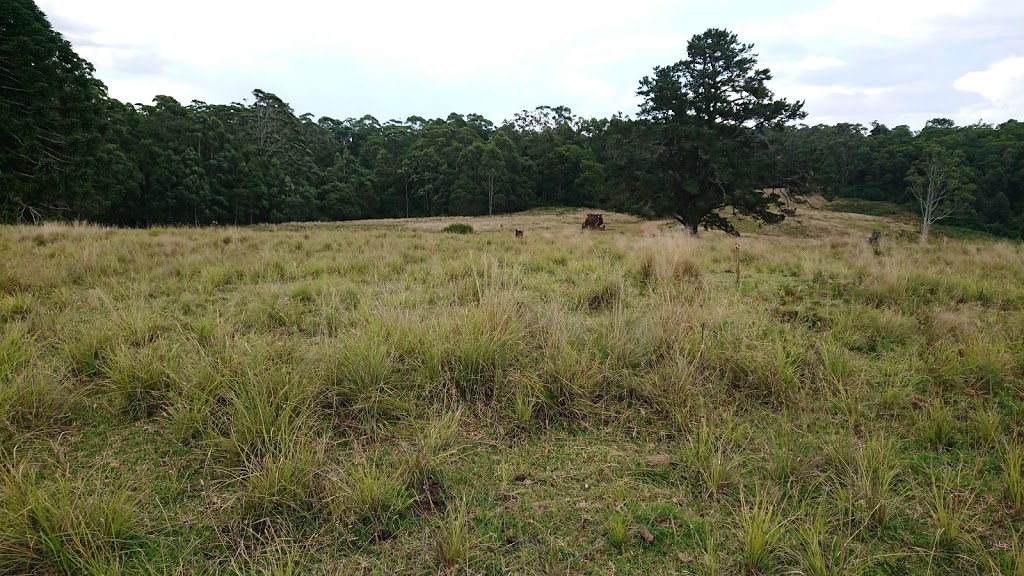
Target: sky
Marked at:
891, 61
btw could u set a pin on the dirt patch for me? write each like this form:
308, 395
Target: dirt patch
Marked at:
650, 228
430, 499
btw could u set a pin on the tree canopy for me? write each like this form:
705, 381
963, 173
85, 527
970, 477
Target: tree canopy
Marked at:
709, 115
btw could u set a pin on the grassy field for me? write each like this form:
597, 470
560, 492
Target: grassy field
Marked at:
389, 398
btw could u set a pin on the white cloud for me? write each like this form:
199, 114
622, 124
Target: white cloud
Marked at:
395, 58
1002, 87
864, 22
804, 65
531, 48
812, 92
788, 82
451, 37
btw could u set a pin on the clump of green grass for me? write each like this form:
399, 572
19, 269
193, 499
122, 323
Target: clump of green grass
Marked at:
478, 360
950, 510
936, 425
823, 550
565, 382
453, 539
987, 362
760, 530
282, 558
16, 306
140, 378
361, 384
870, 476
1013, 475
551, 563
710, 457
433, 446
1017, 554
373, 494
266, 411
458, 228
631, 343
66, 526
15, 351
287, 481
616, 529
33, 401
711, 556
852, 404
984, 427
666, 269
32, 398
206, 329
770, 374
836, 363
602, 294
85, 349
524, 402
944, 365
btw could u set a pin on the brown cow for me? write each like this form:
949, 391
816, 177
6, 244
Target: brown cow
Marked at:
594, 222
519, 233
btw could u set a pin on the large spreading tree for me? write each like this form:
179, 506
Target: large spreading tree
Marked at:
710, 117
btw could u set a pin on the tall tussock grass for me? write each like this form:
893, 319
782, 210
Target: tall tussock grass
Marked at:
33, 397
65, 526
361, 383
388, 398
264, 412
869, 477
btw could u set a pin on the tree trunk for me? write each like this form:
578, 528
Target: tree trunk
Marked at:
688, 222
925, 227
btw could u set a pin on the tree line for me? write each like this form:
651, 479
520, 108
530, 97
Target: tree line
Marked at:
710, 137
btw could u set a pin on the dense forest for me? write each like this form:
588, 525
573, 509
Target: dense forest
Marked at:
68, 151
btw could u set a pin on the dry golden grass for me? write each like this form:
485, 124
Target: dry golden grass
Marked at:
387, 397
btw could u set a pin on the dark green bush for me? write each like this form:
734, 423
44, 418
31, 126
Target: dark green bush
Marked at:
459, 229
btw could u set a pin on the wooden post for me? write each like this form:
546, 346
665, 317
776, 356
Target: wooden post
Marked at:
737, 249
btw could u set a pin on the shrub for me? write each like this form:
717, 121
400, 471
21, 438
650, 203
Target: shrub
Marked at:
458, 229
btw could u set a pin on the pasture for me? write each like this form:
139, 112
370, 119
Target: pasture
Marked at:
388, 398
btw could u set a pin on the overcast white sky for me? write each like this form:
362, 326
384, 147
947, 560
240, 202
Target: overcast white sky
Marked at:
895, 61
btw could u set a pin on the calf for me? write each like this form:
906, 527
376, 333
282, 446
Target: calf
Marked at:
519, 233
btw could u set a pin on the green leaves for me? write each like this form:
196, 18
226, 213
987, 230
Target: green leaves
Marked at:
710, 116
51, 110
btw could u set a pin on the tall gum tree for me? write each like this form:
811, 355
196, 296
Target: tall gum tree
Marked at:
941, 184
52, 119
709, 117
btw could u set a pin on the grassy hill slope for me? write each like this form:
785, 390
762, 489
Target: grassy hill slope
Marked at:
385, 397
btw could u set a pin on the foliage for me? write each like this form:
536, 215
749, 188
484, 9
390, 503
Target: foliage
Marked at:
710, 116
70, 152
459, 228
